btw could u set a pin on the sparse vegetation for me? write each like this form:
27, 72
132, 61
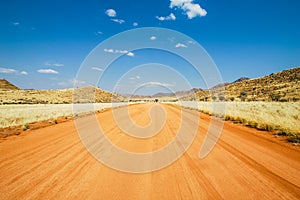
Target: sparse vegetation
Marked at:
243, 95
16, 115
222, 98
25, 127
282, 86
64, 96
275, 97
267, 116
294, 139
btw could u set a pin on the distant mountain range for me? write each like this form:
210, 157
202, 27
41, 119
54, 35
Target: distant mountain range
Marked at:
281, 86
185, 93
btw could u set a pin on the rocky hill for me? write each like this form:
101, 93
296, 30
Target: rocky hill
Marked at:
281, 86
5, 85
241, 79
64, 96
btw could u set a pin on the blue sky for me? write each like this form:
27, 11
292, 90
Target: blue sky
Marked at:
43, 43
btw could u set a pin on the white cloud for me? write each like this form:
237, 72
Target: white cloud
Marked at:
54, 64
179, 3
111, 12
97, 68
160, 18
58, 65
47, 71
180, 45
167, 18
152, 38
72, 82
98, 33
135, 78
154, 84
24, 73
109, 50
191, 42
12, 71
135, 24
191, 9
76, 82
7, 71
16, 23
130, 54
120, 21
194, 10
121, 51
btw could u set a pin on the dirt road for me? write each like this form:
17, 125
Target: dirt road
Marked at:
52, 163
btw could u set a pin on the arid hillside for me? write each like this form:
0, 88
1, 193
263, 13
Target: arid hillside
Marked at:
5, 85
64, 96
282, 86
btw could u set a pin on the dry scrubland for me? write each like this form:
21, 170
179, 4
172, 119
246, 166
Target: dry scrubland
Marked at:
15, 115
63, 96
281, 116
282, 86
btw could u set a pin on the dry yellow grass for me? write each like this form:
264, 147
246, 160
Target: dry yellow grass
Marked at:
282, 86
284, 116
15, 115
64, 96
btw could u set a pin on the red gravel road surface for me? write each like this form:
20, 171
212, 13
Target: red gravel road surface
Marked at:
52, 162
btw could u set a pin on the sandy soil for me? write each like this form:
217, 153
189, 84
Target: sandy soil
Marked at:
52, 163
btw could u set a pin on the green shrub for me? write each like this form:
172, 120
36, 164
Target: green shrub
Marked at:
252, 124
265, 127
294, 139
275, 97
25, 127
227, 118
239, 120
282, 133
221, 98
243, 95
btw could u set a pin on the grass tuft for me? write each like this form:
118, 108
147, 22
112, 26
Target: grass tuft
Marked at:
294, 139
25, 127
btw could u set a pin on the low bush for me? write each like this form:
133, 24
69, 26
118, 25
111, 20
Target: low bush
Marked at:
252, 124
25, 127
294, 139
265, 127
